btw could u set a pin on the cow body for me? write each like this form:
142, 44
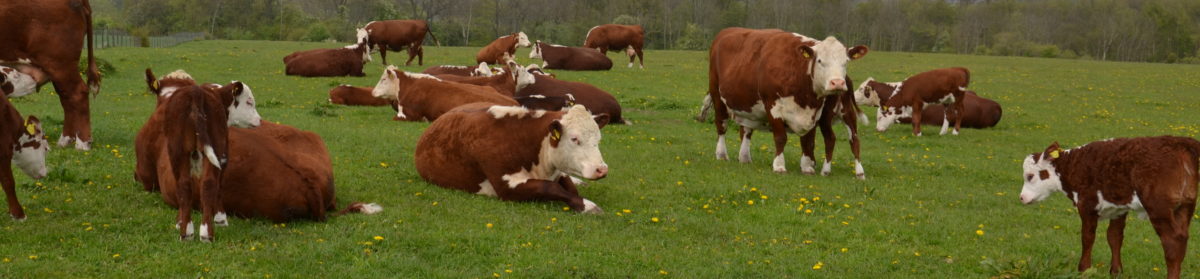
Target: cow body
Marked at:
22, 143
44, 39
505, 46
467, 71
767, 81
570, 58
1155, 177
941, 86
514, 153
503, 84
594, 99
838, 108
345, 61
422, 97
616, 37
978, 112
355, 96
395, 35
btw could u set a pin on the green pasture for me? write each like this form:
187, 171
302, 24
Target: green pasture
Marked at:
932, 207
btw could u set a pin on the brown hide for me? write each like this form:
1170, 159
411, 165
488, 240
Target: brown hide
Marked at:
426, 99
497, 50
12, 127
504, 84
355, 96
841, 108
979, 112
326, 62
395, 35
50, 34
594, 99
195, 120
573, 58
931, 87
615, 37
466, 71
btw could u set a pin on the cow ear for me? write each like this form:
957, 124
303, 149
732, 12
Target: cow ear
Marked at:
556, 130
1052, 152
237, 87
151, 81
392, 74
33, 125
857, 52
807, 52
601, 119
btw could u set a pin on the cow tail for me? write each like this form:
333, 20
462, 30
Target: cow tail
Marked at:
429, 29
93, 73
358, 207
199, 122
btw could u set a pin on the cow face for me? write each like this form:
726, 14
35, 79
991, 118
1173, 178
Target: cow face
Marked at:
482, 70
14, 83
361, 35
865, 95
388, 86
522, 40
888, 115
536, 52
29, 153
1040, 176
828, 60
575, 144
523, 77
242, 112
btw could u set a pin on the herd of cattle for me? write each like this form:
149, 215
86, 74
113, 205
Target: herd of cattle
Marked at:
521, 134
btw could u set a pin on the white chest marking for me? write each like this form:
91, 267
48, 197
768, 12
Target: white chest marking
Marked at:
485, 188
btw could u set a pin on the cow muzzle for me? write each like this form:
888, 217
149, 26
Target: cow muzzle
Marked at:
836, 85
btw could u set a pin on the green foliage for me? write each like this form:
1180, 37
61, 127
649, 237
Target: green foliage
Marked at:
102, 65
693, 38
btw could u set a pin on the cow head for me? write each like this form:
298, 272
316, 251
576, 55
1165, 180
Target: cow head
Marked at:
29, 152
536, 52
523, 77
243, 113
388, 86
482, 70
1041, 178
14, 83
574, 143
865, 95
522, 40
828, 61
889, 114
169, 83
361, 36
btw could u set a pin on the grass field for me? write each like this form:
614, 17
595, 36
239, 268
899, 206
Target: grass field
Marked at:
932, 207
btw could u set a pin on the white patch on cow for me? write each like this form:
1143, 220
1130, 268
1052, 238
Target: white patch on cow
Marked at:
829, 67
24, 61
589, 34
720, 152
178, 74
945, 124
803, 38
23, 84
514, 111
32, 161
778, 164
220, 219
744, 151
850, 132
191, 229
1037, 189
400, 112
483, 70
863, 119
557, 45
946, 100
1109, 210
522, 40
807, 164
524, 78
212, 156
167, 92
884, 118
421, 76
865, 95
517, 178
962, 88
536, 51
388, 86
826, 168
361, 35
371, 208
243, 113
858, 170
590, 207
204, 236
538, 96
798, 119
485, 188
578, 151
578, 181
197, 167
756, 118
630, 65
64, 139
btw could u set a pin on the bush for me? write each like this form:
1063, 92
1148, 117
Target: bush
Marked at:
693, 38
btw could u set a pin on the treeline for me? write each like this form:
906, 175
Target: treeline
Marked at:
1125, 30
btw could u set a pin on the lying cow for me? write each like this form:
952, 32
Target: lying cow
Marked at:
346, 94
941, 86
615, 37
23, 143
837, 108
421, 97
979, 112
596, 100
569, 58
514, 153
497, 50
1154, 177
14, 83
345, 61
504, 84
467, 71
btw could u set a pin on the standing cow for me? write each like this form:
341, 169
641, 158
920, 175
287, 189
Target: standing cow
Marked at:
1154, 177
21, 142
396, 35
44, 40
836, 108
616, 37
773, 80
514, 153
505, 46
569, 58
941, 86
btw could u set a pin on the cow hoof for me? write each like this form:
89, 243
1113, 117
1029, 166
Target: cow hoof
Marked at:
590, 207
220, 219
955, 132
83, 145
943, 133
18, 218
745, 159
808, 172
918, 134
578, 181
860, 176
722, 156
185, 237
824, 173
206, 239
780, 170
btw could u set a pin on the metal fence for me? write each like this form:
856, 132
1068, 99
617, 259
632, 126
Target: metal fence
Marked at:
119, 38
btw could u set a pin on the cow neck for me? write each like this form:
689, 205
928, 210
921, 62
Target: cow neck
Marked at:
1065, 166
11, 119
889, 91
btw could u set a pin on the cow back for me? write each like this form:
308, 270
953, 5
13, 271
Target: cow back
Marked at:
396, 34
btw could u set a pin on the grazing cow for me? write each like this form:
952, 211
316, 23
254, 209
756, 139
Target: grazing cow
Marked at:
505, 46
345, 61
396, 35
514, 153
355, 96
194, 121
941, 86
617, 37
594, 99
837, 108
979, 112
44, 39
570, 58
421, 97
467, 71
1154, 177
21, 142
773, 80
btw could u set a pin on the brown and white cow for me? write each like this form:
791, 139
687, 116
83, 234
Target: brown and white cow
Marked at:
332, 62
1155, 177
421, 97
346, 94
504, 46
773, 80
514, 153
22, 143
594, 99
940, 86
504, 84
14, 83
616, 37
44, 39
396, 35
467, 71
569, 58
979, 112
837, 108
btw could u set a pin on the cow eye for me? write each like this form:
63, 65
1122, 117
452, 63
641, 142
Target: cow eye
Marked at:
1028, 177
575, 140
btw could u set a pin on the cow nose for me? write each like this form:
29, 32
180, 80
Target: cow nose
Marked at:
601, 172
837, 84
1024, 200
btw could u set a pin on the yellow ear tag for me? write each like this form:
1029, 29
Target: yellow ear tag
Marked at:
555, 135
29, 127
1054, 154
884, 107
806, 54
154, 86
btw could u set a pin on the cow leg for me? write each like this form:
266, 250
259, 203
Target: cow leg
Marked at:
420, 55
10, 191
412, 53
852, 129
1087, 236
916, 117
534, 189
632, 54
641, 63
826, 125
721, 114
1116, 234
744, 152
209, 202
780, 133
72, 94
1171, 226
383, 54
705, 106
945, 121
959, 112
807, 145
183, 196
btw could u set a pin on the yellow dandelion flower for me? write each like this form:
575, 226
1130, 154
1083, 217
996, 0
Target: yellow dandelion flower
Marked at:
489, 225
48, 210
762, 197
680, 183
382, 164
979, 232
508, 271
750, 202
664, 272
654, 219
844, 250
627, 211
818, 266
377, 238
117, 255
33, 257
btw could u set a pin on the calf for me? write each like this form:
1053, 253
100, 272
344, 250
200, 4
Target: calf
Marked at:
506, 45
978, 112
355, 96
21, 142
514, 153
616, 37
346, 61
594, 99
15, 83
837, 108
941, 86
421, 97
480, 71
569, 58
1154, 177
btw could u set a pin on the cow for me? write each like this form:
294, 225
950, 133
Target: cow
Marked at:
345, 61
514, 153
396, 35
940, 86
1155, 177
979, 112
467, 71
194, 124
594, 99
837, 108
496, 51
504, 84
617, 37
44, 40
569, 58
773, 80
346, 94
23, 143
14, 83
421, 97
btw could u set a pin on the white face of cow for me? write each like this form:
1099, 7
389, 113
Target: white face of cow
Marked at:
1041, 179
483, 70
389, 84
865, 95
536, 53
522, 40
361, 35
886, 116
523, 77
829, 58
14, 83
243, 113
31, 148
578, 139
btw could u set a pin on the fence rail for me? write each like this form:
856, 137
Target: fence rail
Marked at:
106, 38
